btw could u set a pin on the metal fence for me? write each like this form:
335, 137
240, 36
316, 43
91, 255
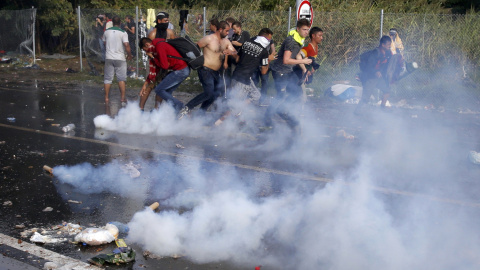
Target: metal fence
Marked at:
17, 32
440, 44
444, 46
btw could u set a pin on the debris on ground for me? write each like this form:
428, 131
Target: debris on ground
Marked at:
150, 255
131, 169
47, 209
7, 203
344, 92
48, 169
37, 238
97, 236
180, 146
34, 66
68, 128
474, 157
53, 234
343, 134
122, 227
119, 255
20, 226
45, 239
76, 202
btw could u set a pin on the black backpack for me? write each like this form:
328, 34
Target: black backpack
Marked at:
189, 50
364, 58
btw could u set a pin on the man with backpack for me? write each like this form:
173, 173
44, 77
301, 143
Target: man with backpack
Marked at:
167, 58
373, 73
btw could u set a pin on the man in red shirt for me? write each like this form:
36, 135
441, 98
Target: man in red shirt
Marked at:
165, 58
311, 51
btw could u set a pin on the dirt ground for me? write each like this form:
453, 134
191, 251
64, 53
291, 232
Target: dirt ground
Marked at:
66, 69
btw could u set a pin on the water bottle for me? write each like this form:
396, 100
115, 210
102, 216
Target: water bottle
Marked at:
122, 227
68, 128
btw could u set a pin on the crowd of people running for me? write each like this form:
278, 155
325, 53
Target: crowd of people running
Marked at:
234, 65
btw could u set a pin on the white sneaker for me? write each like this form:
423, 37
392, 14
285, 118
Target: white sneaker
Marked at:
184, 111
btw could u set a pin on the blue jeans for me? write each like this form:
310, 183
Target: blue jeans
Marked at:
289, 94
258, 77
169, 84
213, 87
102, 48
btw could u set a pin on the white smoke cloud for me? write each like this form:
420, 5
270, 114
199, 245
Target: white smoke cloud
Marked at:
219, 213
342, 226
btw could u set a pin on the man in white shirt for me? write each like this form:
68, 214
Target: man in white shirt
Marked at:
116, 43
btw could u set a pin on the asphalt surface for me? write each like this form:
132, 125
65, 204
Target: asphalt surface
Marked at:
32, 114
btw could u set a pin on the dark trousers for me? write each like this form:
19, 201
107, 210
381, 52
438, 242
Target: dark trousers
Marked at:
289, 95
263, 79
213, 87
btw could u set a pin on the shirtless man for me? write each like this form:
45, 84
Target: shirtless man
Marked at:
215, 47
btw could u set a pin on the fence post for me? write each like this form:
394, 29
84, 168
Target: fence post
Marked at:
381, 23
136, 41
204, 21
80, 37
289, 18
33, 31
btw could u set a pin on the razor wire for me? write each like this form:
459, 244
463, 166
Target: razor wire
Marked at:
17, 31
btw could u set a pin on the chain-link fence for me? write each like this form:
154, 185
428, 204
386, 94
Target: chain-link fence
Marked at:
17, 32
442, 45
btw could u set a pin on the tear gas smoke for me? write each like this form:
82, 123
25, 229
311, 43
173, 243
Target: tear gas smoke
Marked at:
343, 225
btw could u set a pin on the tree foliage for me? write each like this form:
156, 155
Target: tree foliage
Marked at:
57, 18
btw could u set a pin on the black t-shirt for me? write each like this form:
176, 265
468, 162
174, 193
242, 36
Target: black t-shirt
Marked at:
242, 38
252, 54
131, 36
289, 44
99, 29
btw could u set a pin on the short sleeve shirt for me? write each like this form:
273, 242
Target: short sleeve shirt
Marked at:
242, 38
131, 36
289, 44
252, 55
114, 38
309, 51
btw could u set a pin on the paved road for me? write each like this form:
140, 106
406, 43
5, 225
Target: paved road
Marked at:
410, 158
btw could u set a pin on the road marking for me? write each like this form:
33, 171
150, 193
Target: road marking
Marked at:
255, 168
46, 254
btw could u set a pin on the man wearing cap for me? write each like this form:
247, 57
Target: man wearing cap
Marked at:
162, 29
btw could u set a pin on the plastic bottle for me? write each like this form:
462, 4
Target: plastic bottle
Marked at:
68, 128
122, 227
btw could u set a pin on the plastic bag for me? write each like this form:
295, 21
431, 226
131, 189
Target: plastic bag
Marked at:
98, 236
119, 255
